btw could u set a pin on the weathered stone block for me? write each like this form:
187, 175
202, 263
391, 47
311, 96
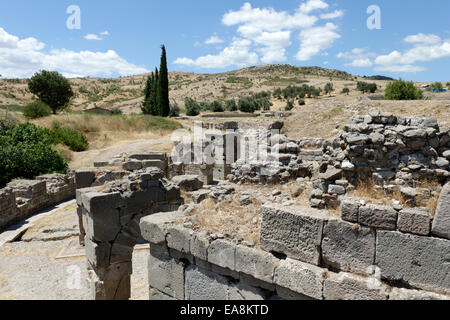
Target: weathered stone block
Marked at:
104, 227
294, 231
165, 273
348, 247
286, 294
347, 286
441, 222
300, 277
222, 253
243, 291
84, 178
407, 294
257, 263
350, 210
154, 228
199, 246
419, 261
188, 182
156, 295
415, 221
98, 254
179, 238
205, 285
97, 203
381, 217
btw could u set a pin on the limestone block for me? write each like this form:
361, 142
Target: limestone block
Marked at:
165, 273
205, 285
286, 294
294, 231
415, 221
300, 277
98, 254
243, 291
104, 227
350, 210
348, 286
419, 261
348, 248
441, 222
84, 177
97, 203
132, 165
382, 217
407, 294
222, 253
154, 228
199, 246
179, 238
188, 182
257, 263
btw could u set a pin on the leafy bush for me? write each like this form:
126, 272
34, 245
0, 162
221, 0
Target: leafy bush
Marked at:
345, 91
247, 105
366, 87
437, 86
230, 105
192, 107
402, 90
174, 110
72, 138
216, 106
289, 105
301, 102
37, 109
329, 88
51, 88
26, 152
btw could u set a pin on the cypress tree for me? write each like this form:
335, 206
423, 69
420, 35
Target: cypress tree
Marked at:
146, 105
154, 94
163, 86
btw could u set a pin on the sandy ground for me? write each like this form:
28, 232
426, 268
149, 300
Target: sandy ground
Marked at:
35, 267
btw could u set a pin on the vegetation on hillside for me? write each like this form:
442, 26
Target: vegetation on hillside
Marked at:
402, 90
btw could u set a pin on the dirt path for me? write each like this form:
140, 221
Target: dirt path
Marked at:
46, 262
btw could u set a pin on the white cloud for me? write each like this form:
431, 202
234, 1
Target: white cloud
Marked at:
22, 58
237, 54
315, 40
332, 15
427, 47
104, 33
360, 57
401, 68
269, 32
92, 36
312, 5
214, 40
423, 39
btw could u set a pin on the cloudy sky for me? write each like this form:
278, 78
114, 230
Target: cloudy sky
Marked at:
120, 38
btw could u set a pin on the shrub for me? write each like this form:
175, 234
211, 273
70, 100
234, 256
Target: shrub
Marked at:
37, 109
72, 138
51, 88
301, 102
216, 106
437, 86
247, 105
329, 88
26, 152
174, 110
117, 111
289, 105
345, 91
230, 105
402, 90
366, 87
192, 107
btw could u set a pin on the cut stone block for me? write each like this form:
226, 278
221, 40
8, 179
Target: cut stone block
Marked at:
415, 221
98, 202
188, 182
350, 210
154, 228
441, 222
84, 177
179, 238
419, 261
205, 285
156, 295
348, 286
98, 254
222, 253
257, 263
199, 246
300, 277
103, 227
348, 247
165, 273
293, 231
381, 217
407, 294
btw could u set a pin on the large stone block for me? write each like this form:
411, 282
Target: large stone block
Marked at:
415, 221
98, 254
441, 222
422, 262
350, 210
104, 227
97, 203
348, 247
300, 277
84, 178
407, 294
156, 295
165, 273
294, 231
348, 286
257, 263
382, 217
154, 228
179, 238
222, 253
188, 182
199, 246
205, 285
243, 291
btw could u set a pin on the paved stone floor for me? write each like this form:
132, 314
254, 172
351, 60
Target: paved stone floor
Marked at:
45, 262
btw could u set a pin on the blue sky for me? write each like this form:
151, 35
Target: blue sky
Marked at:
119, 38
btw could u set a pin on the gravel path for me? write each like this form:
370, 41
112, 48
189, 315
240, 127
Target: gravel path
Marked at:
36, 266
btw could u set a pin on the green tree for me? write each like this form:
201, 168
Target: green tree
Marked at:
402, 90
230, 105
163, 104
329, 88
191, 106
366, 87
36, 109
437, 86
52, 88
148, 99
289, 105
345, 91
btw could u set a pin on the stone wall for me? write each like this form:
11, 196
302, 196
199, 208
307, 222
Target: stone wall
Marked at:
20, 199
304, 254
109, 217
